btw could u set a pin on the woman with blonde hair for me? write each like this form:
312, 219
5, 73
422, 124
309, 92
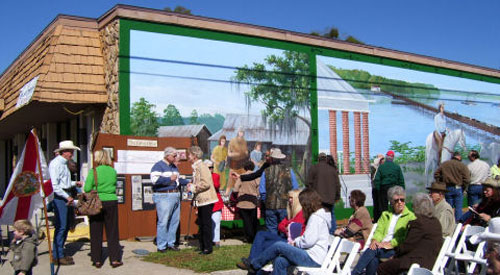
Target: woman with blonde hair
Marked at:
106, 190
264, 239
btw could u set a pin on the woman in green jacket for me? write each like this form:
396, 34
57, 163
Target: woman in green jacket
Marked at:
106, 190
391, 231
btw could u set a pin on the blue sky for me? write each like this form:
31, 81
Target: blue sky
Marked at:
465, 31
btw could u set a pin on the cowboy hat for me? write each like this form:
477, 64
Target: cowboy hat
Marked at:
491, 233
276, 154
438, 186
66, 145
492, 182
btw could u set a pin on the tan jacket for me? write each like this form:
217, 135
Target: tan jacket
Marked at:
203, 185
248, 188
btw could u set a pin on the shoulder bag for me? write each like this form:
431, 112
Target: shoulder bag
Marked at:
89, 203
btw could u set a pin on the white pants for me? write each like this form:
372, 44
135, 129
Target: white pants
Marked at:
216, 218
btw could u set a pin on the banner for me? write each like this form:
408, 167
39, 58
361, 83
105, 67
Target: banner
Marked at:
24, 195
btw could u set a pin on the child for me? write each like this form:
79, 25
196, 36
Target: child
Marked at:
23, 247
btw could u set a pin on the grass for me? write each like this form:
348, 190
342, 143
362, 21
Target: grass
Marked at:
223, 258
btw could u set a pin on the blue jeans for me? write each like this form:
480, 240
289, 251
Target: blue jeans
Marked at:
474, 194
370, 260
64, 216
334, 221
263, 240
168, 211
283, 255
273, 218
454, 197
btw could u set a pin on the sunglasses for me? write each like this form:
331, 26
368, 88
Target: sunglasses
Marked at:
399, 200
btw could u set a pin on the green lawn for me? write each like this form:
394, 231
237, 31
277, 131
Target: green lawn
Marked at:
223, 258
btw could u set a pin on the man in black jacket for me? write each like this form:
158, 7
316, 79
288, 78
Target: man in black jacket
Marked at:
324, 178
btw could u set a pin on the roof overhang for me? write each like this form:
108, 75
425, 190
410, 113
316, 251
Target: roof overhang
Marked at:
36, 113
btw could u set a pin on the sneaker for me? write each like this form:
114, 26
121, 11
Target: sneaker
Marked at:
173, 248
242, 265
162, 250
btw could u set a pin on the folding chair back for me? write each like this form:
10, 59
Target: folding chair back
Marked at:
415, 270
331, 251
348, 248
462, 253
369, 240
440, 264
326, 261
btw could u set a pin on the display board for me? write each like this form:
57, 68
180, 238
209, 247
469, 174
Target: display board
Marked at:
136, 210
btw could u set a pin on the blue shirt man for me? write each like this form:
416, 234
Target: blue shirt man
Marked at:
60, 177
166, 196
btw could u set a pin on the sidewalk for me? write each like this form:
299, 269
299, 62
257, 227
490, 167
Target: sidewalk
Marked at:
133, 264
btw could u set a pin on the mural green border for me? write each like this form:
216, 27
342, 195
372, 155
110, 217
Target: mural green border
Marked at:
126, 25
124, 63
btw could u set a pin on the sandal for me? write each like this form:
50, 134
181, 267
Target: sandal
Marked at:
97, 264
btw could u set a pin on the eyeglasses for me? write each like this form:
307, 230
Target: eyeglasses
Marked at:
399, 200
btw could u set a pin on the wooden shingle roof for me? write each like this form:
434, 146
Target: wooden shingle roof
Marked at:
68, 59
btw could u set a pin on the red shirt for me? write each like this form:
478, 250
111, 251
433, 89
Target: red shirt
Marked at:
283, 226
218, 205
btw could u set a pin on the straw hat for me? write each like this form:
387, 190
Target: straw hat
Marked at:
492, 233
492, 182
66, 145
438, 186
276, 154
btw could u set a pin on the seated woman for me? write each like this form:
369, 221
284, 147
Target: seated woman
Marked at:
422, 243
488, 208
360, 223
307, 250
265, 239
390, 233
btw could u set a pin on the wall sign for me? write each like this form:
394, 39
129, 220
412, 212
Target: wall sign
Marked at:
142, 143
26, 92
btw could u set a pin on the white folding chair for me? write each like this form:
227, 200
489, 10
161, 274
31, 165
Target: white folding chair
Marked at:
440, 263
369, 240
461, 251
334, 265
326, 261
415, 269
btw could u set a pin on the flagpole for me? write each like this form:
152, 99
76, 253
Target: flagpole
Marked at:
44, 203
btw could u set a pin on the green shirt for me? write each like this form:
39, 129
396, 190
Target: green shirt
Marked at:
106, 183
400, 230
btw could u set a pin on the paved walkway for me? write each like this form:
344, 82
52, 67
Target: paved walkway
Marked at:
133, 264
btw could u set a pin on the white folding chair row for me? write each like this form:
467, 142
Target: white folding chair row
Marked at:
324, 265
332, 263
439, 264
369, 240
462, 253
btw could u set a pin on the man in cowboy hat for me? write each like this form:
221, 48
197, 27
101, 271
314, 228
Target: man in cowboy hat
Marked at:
277, 179
63, 202
492, 237
442, 210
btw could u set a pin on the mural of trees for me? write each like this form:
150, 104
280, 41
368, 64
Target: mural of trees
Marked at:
282, 84
143, 121
171, 116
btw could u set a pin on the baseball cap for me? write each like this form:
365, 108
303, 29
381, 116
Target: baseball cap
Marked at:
390, 153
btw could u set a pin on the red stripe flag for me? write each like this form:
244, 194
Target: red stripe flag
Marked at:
24, 195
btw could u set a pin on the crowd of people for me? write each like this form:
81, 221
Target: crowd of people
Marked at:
298, 222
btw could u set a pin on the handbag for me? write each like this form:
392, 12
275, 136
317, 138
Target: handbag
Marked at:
222, 166
89, 203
